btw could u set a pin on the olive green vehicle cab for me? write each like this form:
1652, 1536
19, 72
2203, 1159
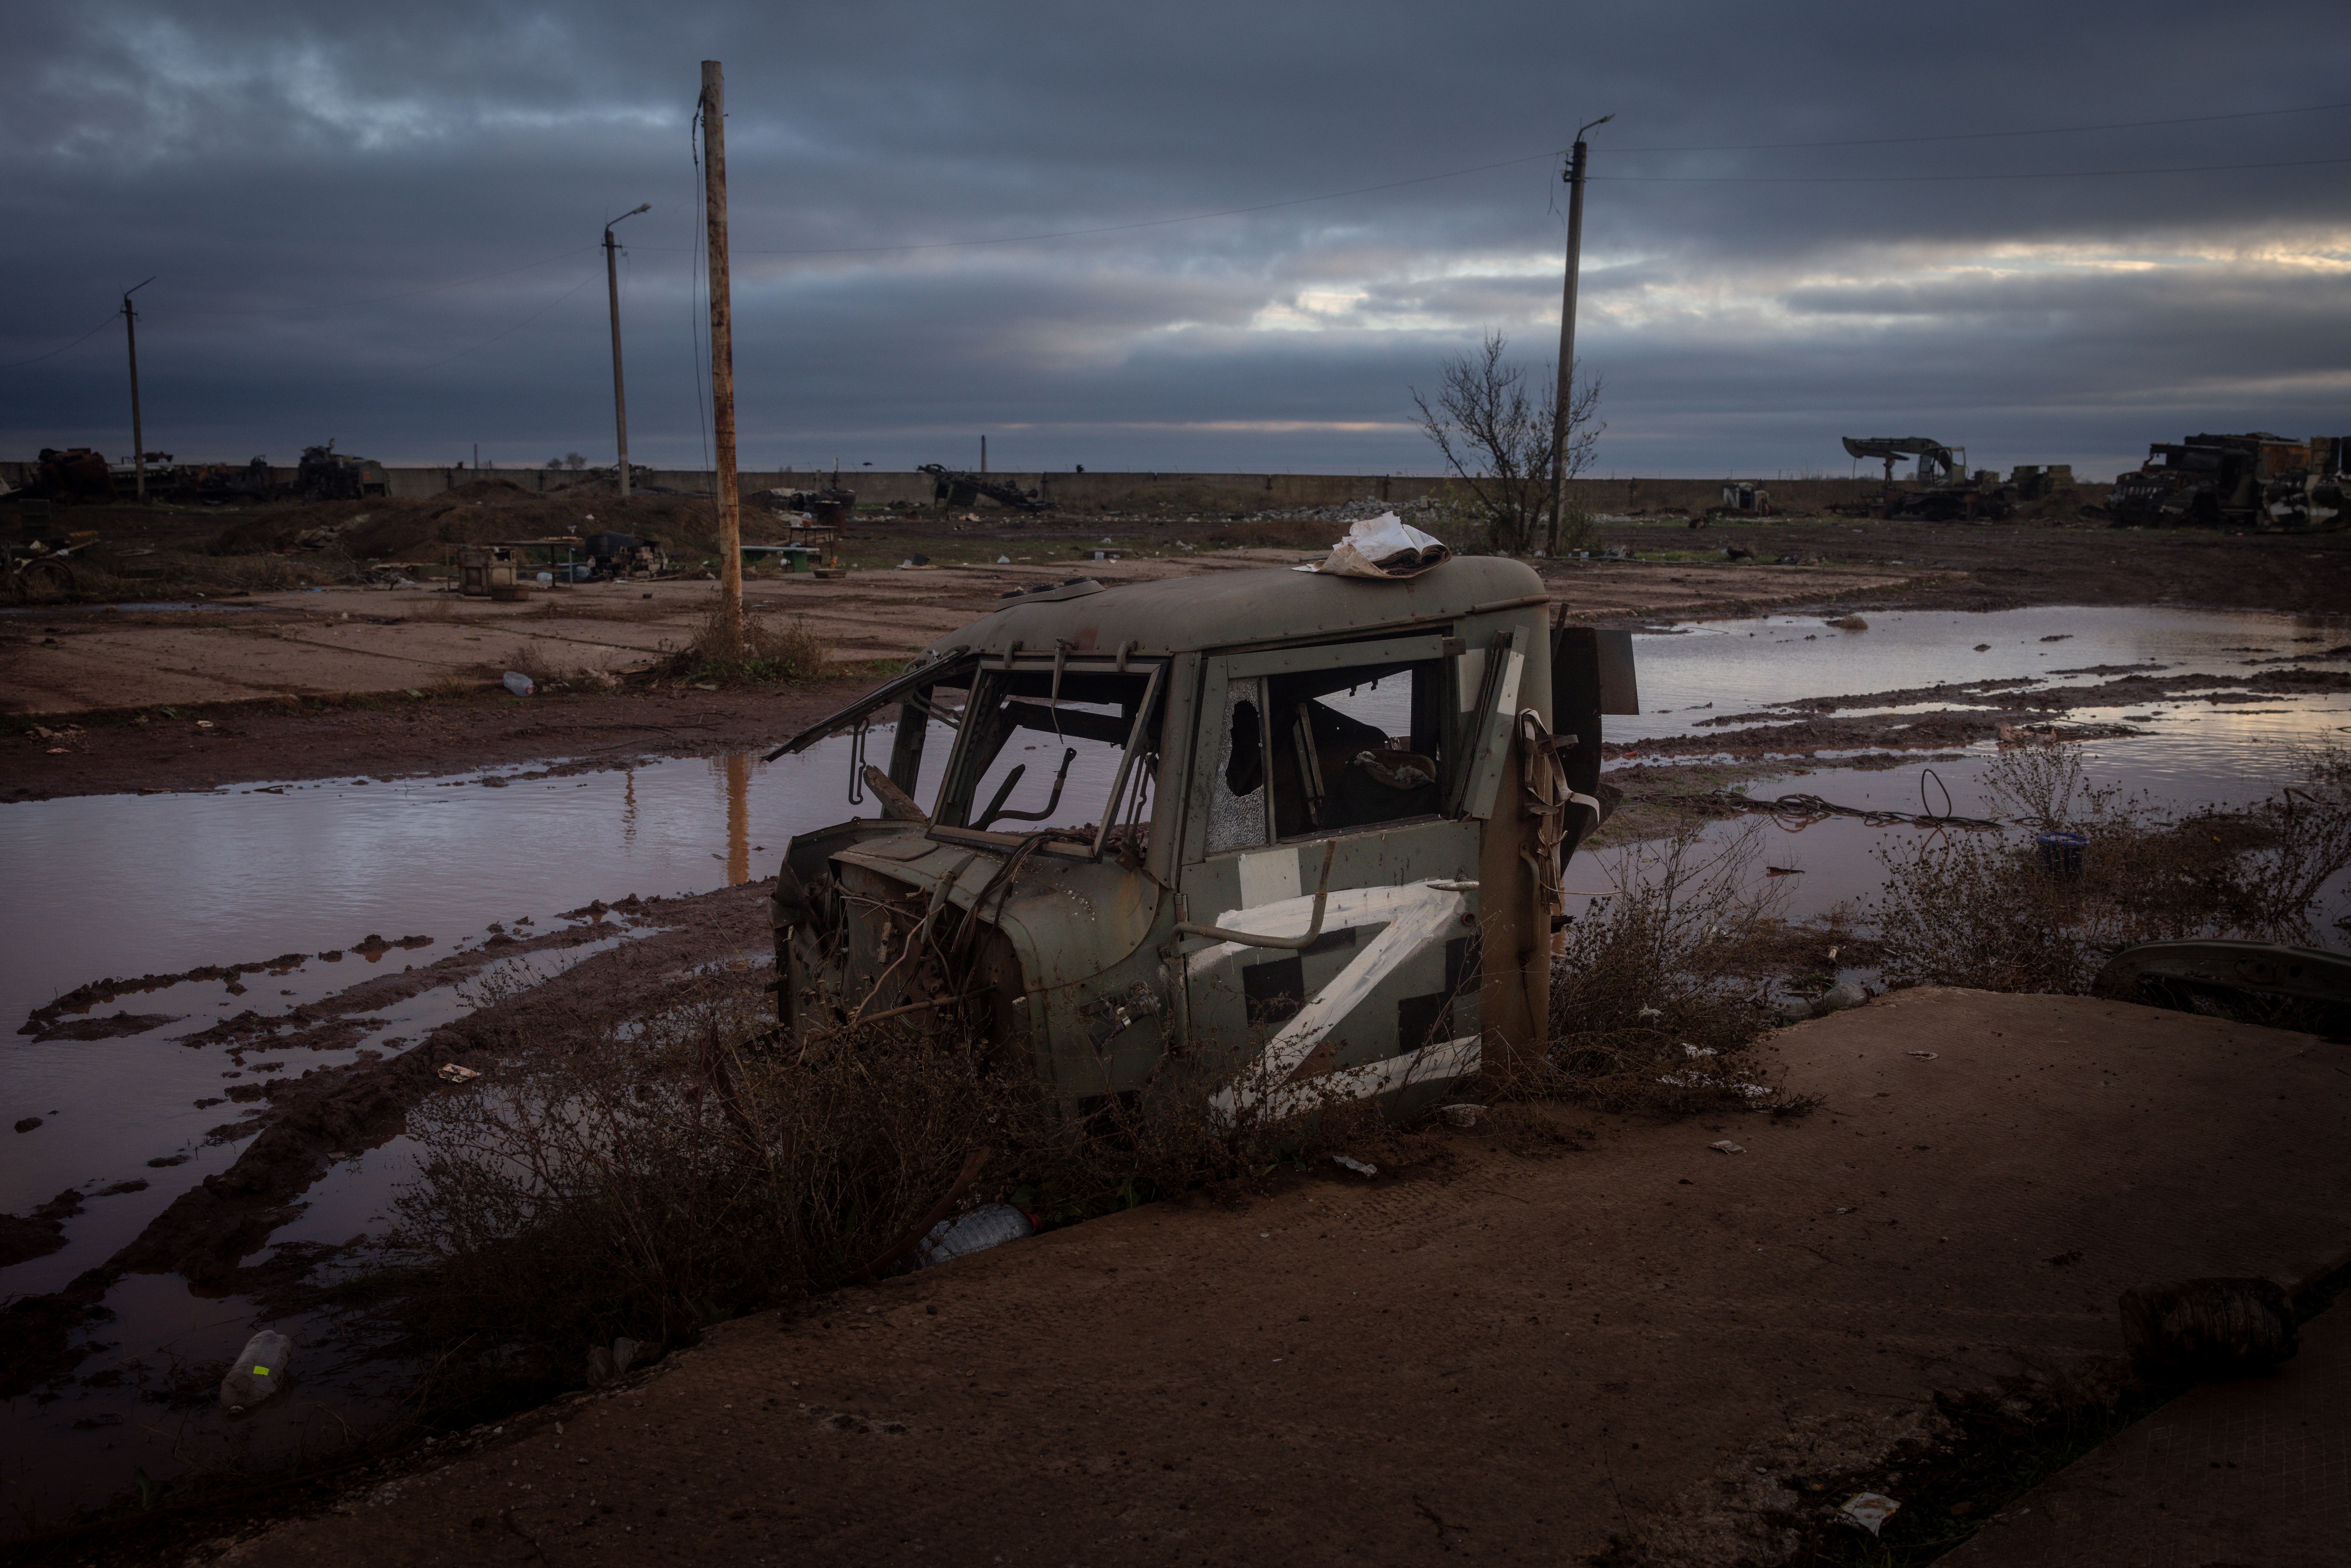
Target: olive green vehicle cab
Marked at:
1307, 826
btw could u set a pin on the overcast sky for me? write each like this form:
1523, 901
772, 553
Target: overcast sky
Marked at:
381, 225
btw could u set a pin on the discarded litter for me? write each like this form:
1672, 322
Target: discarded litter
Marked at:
1359, 1167
456, 1074
1869, 1509
603, 1365
1725, 1146
257, 1374
1383, 547
989, 1225
1463, 1114
1842, 995
2061, 854
2209, 1327
522, 685
1646, 1013
1921, 1055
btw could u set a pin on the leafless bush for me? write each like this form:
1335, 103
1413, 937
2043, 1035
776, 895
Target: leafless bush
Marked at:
1982, 910
1651, 1004
768, 650
1497, 437
692, 1165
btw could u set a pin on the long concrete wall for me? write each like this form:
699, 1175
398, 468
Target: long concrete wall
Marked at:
1241, 494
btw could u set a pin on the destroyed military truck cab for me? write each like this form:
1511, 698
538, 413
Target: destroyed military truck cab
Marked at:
2257, 481
1302, 830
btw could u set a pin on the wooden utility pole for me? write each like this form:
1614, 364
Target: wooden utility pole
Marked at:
620, 396
722, 359
137, 434
1574, 178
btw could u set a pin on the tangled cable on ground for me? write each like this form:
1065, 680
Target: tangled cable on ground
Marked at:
1797, 813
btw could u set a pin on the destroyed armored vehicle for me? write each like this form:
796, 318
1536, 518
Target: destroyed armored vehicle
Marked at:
2253, 481
955, 488
327, 475
1301, 830
618, 556
1941, 490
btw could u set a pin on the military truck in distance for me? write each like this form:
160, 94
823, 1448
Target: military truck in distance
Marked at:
1305, 827
327, 475
2252, 481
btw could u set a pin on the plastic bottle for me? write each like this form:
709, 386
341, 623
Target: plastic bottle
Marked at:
522, 685
989, 1225
257, 1374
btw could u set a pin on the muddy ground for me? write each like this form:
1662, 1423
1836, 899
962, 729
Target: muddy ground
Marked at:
251, 676
326, 709
1557, 1337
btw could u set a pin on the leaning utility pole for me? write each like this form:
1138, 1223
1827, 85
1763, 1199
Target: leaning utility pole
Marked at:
1574, 178
137, 434
619, 397
722, 359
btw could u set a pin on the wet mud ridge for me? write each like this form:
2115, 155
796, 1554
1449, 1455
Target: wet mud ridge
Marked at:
300, 1125
1979, 711
1714, 1347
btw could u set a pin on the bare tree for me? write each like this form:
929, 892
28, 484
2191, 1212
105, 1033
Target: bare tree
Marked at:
1494, 433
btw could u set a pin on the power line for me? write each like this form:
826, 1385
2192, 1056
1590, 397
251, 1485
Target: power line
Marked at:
382, 298
1148, 223
77, 343
1935, 179
1985, 135
1540, 157
436, 364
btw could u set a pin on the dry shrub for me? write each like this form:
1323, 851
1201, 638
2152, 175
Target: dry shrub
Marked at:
1979, 910
652, 1175
769, 651
1652, 1006
678, 1170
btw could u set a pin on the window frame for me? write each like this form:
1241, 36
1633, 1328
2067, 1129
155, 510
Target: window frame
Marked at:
1154, 673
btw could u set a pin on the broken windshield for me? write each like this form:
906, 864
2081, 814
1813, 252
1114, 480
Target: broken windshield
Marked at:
1041, 748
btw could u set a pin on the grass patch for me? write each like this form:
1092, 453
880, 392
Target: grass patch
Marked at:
1982, 911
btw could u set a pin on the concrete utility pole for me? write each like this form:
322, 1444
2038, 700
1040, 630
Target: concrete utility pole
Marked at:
137, 434
722, 357
620, 396
1574, 178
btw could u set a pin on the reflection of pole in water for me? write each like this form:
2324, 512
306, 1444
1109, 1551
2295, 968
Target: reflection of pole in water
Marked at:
629, 807
738, 819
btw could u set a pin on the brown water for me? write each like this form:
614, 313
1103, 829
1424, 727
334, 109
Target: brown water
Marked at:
128, 885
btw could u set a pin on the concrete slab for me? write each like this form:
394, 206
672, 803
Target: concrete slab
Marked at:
2252, 1471
1525, 1350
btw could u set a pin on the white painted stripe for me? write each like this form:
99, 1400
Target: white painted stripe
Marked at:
1267, 876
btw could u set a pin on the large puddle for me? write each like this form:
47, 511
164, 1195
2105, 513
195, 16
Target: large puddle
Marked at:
124, 886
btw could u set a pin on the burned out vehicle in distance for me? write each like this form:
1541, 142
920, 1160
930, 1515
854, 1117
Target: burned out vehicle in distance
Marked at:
2252, 481
1941, 489
1304, 830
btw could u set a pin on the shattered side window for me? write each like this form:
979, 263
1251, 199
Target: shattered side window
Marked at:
1354, 748
1236, 794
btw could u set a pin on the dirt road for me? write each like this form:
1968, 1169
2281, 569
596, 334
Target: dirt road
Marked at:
1554, 1337
117, 699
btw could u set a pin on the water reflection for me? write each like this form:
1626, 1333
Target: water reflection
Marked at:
738, 819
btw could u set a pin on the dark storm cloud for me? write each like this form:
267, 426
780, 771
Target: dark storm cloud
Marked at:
382, 227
